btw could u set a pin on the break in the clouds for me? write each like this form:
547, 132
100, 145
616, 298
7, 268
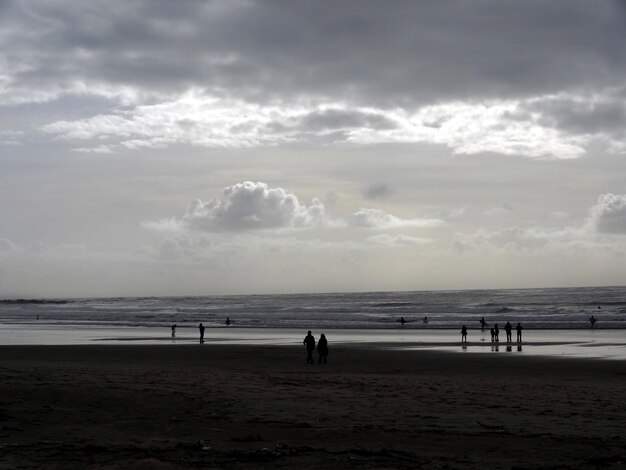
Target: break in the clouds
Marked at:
536, 79
250, 206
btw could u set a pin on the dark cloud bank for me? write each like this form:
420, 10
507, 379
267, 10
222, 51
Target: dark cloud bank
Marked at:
365, 51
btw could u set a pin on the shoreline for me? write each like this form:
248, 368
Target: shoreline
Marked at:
249, 406
607, 344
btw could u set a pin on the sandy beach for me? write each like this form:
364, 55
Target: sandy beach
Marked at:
225, 406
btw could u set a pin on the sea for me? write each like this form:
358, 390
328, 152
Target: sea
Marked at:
431, 318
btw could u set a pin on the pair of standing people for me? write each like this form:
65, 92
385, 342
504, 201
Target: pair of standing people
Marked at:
322, 348
509, 328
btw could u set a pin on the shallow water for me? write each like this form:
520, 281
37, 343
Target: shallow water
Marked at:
596, 343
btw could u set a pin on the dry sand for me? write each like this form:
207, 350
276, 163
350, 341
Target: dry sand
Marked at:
263, 407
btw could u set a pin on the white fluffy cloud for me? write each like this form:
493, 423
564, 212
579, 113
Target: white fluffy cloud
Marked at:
606, 217
609, 214
252, 206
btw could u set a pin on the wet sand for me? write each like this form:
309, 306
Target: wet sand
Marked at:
233, 406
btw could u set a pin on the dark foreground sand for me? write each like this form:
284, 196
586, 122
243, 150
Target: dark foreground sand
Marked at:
263, 407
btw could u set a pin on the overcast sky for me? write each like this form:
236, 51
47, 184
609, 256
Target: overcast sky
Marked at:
227, 146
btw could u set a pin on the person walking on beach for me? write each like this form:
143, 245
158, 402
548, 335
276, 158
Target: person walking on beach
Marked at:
201, 328
592, 320
519, 329
322, 349
174, 330
483, 323
493, 335
508, 328
464, 334
309, 342
496, 333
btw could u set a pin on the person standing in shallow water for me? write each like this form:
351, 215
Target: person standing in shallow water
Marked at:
519, 329
496, 333
464, 334
592, 320
322, 349
201, 328
508, 328
309, 342
483, 323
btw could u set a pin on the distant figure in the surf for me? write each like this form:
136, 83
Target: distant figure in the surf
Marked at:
309, 342
201, 328
483, 323
496, 333
402, 321
322, 349
174, 330
519, 329
425, 320
463, 334
508, 328
592, 320
493, 335
227, 321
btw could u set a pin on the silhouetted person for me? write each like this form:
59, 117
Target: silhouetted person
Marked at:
322, 349
463, 334
483, 323
309, 342
201, 328
174, 330
496, 333
493, 335
227, 321
592, 320
519, 329
425, 320
402, 321
508, 328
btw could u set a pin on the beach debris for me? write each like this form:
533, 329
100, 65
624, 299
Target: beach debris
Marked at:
202, 444
491, 427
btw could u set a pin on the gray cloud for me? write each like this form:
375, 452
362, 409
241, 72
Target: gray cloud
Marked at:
377, 191
589, 115
495, 76
362, 51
